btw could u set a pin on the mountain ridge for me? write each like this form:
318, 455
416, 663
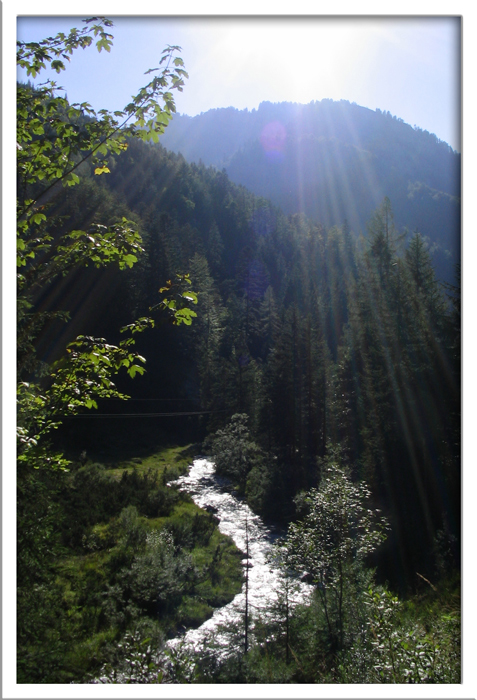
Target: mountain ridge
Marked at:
334, 161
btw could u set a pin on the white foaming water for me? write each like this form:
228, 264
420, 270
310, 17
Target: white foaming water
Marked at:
224, 632
265, 579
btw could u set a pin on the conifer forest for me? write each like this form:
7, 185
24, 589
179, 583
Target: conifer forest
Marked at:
185, 300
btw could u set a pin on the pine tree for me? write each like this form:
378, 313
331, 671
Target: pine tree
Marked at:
208, 330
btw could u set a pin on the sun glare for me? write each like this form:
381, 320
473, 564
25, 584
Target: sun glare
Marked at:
295, 60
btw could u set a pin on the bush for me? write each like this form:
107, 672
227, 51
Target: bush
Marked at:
233, 450
157, 578
393, 649
331, 543
135, 659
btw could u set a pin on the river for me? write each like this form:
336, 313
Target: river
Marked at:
266, 580
264, 586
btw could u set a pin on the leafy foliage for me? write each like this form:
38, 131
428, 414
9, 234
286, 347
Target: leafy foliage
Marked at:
53, 140
67, 131
391, 644
332, 541
136, 661
56, 143
103, 560
396, 649
234, 452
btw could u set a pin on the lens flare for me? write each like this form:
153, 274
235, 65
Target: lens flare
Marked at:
273, 139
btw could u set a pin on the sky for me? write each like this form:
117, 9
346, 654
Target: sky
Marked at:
409, 66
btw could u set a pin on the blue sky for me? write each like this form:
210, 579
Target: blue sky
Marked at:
408, 66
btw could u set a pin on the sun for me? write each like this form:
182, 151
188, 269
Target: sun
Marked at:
281, 59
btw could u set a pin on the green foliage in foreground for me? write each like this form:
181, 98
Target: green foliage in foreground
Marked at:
396, 647
400, 642
351, 630
103, 558
387, 641
331, 543
89, 546
53, 140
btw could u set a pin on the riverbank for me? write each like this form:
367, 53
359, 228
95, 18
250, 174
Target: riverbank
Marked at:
130, 555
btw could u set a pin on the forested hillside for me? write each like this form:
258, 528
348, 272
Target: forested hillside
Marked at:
313, 353
325, 342
334, 161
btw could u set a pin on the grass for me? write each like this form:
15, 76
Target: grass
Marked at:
436, 606
81, 579
169, 463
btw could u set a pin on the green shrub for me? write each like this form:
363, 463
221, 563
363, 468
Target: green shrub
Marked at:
331, 543
192, 612
395, 649
234, 452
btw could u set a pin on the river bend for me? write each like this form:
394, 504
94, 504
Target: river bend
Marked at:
265, 579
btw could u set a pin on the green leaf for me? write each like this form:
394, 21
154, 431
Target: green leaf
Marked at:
130, 260
73, 179
135, 369
190, 296
38, 218
185, 316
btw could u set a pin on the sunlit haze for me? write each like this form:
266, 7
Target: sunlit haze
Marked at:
407, 66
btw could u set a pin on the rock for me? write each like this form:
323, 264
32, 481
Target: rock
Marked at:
211, 509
